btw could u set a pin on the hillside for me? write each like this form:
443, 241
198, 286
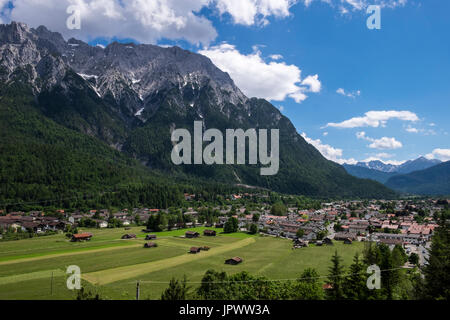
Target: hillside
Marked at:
366, 173
431, 181
88, 116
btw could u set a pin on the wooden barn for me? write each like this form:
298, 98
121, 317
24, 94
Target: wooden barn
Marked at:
150, 245
209, 233
129, 236
192, 234
194, 250
86, 236
234, 260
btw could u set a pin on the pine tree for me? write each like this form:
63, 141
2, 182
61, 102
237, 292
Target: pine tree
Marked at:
335, 278
355, 284
177, 290
437, 272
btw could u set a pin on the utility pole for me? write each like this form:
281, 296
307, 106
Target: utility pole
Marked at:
137, 290
51, 285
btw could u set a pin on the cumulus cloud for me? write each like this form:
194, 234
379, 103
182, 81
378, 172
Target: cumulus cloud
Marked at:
352, 94
276, 56
330, 153
441, 154
250, 12
412, 129
347, 6
144, 20
382, 143
375, 119
257, 78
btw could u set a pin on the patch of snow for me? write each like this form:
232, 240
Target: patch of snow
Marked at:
87, 76
73, 44
134, 81
139, 112
100, 46
191, 104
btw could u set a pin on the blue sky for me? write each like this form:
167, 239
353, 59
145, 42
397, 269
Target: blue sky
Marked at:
270, 47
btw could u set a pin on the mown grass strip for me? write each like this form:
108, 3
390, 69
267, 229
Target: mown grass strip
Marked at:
41, 256
31, 276
121, 273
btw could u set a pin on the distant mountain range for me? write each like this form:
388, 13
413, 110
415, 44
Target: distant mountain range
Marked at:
406, 167
432, 181
71, 112
419, 176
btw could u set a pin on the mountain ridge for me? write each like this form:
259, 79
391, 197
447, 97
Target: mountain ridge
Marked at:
131, 97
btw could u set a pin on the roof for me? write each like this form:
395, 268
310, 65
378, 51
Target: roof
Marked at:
82, 235
236, 259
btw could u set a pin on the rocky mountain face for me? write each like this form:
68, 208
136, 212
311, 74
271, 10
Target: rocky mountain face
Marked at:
132, 96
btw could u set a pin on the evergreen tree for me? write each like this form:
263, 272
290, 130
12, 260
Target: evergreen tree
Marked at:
355, 284
177, 290
437, 272
335, 278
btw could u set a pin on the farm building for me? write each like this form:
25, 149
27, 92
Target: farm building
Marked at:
299, 243
81, 236
234, 260
194, 250
348, 241
129, 236
150, 237
150, 245
210, 233
205, 248
192, 234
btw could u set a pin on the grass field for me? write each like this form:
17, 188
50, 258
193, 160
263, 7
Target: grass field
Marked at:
35, 268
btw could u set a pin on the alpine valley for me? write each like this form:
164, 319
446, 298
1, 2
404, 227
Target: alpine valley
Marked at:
77, 119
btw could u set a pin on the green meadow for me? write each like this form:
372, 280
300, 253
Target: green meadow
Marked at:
35, 268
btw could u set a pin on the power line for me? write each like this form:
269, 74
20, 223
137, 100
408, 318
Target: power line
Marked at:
263, 280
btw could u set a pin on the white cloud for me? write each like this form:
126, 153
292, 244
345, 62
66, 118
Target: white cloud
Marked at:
330, 153
382, 143
146, 20
375, 119
250, 12
345, 6
142, 20
441, 154
412, 129
325, 134
384, 155
151, 20
257, 78
352, 94
276, 56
